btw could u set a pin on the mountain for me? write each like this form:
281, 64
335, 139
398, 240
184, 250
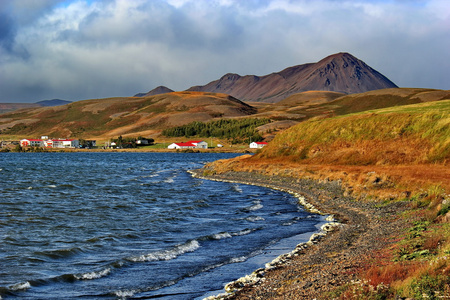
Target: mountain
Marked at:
53, 102
111, 117
156, 91
8, 107
341, 72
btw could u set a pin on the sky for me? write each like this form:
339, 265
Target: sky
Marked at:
79, 49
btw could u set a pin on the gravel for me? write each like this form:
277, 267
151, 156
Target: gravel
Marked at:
339, 258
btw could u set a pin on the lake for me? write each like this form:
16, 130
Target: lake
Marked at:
135, 225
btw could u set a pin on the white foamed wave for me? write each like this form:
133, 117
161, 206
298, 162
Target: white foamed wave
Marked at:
51, 186
236, 188
255, 218
124, 294
223, 235
20, 286
93, 275
169, 180
289, 223
244, 232
238, 259
167, 254
255, 207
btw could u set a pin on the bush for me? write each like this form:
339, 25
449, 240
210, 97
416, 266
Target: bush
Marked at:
429, 287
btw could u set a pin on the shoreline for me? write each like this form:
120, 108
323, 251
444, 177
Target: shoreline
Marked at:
328, 225
332, 258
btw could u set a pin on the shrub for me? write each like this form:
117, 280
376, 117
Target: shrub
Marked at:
429, 287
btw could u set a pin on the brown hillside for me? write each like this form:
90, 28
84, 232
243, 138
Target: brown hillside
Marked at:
310, 98
311, 104
121, 116
7, 107
340, 72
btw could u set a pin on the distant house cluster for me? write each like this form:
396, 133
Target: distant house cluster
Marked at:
50, 143
189, 145
258, 145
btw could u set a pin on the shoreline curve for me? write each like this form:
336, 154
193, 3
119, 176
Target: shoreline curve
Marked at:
332, 257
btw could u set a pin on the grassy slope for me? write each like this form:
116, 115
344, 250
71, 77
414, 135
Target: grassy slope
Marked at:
312, 104
147, 116
121, 116
391, 154
417, 133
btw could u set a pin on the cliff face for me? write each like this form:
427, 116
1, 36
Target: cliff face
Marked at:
341, 72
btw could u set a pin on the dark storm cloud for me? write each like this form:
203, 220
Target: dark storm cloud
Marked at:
89, 49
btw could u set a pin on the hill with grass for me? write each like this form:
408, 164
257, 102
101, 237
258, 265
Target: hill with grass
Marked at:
306, 105
121, 116
409, 134
8, 107
111, 117
341, 72
394, 159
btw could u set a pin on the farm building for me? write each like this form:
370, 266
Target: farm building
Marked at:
257, 145
189, 145
50, 143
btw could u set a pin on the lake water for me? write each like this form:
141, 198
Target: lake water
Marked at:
134, 225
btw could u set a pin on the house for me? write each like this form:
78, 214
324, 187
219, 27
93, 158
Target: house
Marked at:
189, 145
257, 145
32, 143
50, 143
65, 143
200, 144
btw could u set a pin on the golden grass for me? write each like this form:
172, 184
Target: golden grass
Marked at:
382, 156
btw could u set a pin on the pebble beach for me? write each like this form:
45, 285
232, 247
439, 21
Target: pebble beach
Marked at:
356, 233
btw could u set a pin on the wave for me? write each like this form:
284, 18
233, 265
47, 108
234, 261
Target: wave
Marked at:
254, 207
236, 188
255, 218
169, 179
20, 286
59, 253
125, 294
167, 254
238, 259
93, 275
227, 235
223, 235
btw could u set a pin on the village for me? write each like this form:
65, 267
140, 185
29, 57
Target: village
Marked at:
59, 143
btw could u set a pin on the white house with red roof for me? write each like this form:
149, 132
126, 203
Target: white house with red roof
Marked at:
32, 143
257, 145
189, 145
50, 143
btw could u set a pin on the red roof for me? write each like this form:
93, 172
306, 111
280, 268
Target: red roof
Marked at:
261, 143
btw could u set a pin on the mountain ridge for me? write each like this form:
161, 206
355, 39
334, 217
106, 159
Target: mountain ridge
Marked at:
156, 91
340, 72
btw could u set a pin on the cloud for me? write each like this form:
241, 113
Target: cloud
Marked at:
92, 49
